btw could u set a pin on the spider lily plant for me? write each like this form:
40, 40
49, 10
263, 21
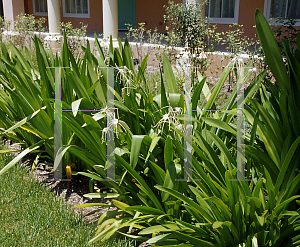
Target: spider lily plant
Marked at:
154, 201
211, 209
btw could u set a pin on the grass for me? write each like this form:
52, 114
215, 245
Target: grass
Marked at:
31, 215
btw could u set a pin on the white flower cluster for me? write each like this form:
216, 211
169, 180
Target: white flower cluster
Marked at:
127, 76
114, 125
170, 118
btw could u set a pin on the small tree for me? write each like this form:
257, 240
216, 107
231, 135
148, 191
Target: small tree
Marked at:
192, 30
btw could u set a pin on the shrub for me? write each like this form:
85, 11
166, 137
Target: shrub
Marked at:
75, 36
193, 32
25, 25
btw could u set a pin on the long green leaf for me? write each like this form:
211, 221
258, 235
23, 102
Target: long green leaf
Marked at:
141, 181
188, 201
283, 171
170, 85
136, 144
272, 52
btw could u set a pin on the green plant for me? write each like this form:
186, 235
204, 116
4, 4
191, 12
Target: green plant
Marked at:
141, 36
4, 26
235, 40
173, 42
191, 30
25, 25
40, 28
236, 43
83, 134
172, 218
75, 36
155, 158
149, 145
26, 111
277, 117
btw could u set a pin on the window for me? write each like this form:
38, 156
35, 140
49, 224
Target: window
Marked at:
40, 7
76, 8
286, 9
222, 11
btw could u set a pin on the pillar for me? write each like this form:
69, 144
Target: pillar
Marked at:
110, 18
54, 19
13, 8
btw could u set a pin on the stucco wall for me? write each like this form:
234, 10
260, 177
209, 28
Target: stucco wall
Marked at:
152, 13
95, 21
246, 17
12, 8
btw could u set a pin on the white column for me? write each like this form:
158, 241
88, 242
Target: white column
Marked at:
53, 16
110, 18
13, 8
54, 19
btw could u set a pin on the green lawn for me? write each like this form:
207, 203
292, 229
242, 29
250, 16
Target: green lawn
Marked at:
31, 215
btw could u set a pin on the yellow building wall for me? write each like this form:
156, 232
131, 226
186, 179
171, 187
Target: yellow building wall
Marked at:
95, 22
246, 17
152, 12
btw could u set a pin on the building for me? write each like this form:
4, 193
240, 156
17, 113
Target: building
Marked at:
110, 15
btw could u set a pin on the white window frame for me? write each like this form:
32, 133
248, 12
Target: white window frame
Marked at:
39, 13
65, 14
267, 13
216, 20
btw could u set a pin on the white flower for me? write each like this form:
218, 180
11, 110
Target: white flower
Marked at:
114, 124
180, 127
104, 134
169, 117
254, 70
178, 110
166, 116
127, 76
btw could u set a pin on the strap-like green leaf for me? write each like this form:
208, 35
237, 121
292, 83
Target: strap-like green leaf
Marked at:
25, 120
188, 201
272, 52
285, 166
170, 81
145, 188
194, 240
145, 210
136, 144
